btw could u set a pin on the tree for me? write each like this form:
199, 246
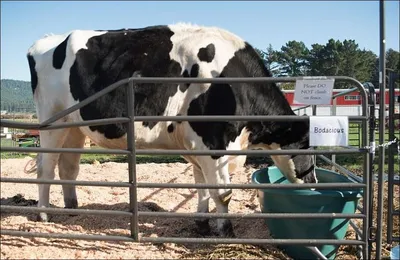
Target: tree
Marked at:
293, 59
270, 59
316, 60
392, 63
393, 60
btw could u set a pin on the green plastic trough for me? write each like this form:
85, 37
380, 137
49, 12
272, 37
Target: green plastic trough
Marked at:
306, 201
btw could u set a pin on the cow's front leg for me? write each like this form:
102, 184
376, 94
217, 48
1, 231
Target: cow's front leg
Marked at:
216, 172
203, 225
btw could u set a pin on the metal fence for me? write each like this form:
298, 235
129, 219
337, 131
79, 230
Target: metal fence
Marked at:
363, 234
393, 157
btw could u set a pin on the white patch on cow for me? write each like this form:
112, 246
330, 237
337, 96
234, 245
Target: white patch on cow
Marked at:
188, 39
79, 39
284, 163
241, 143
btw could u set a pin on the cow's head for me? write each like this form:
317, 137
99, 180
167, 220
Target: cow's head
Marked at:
303, 166
296, 168
293, 136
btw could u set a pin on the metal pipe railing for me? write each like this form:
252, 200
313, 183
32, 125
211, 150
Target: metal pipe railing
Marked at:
131, 152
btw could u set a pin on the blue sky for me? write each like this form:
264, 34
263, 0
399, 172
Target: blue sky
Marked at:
260, 23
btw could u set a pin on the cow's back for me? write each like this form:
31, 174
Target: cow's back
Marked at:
71, 67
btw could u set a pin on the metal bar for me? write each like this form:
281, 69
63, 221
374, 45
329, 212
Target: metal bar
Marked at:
342, 169
248, 152
300, 108
369, 196
333, 113
310, 242
396, 213
305, 186
187, 185
317, 252
181, 152
344, 93
208, 118
390, 163
183, 240
252, 215
367, 176
69, 182
356, 229
390, 159
63, 150
67, 236
20, 125
6, 208
382, 86
279, 118
133, 204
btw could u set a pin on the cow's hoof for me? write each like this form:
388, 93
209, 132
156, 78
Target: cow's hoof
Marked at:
203, 227
71, 203
227, 230
42, 217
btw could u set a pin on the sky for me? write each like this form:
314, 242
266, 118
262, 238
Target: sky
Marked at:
259, 22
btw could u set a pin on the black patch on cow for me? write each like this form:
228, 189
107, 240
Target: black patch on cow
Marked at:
59, 54
245, 99
170, 128
34, 77
207, 54
184, 86
194, 72
114, 56
215, 135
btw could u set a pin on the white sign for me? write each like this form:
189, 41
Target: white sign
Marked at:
329, 130
313, 91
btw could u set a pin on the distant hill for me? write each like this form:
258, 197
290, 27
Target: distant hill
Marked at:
16, 96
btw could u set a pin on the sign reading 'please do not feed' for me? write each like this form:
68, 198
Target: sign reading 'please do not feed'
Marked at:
329, 130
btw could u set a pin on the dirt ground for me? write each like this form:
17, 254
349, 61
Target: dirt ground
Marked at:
176, 200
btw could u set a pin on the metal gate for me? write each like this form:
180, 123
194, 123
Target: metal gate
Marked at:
393, 156
363, 235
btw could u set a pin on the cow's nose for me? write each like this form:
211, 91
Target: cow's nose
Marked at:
310, 178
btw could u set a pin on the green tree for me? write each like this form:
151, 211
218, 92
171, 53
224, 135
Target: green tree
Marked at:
293, 59
392, 63
393, 60
270, 59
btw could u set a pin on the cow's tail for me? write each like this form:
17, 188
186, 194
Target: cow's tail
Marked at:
31, 165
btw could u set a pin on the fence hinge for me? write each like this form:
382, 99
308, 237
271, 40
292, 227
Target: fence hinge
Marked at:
372, 234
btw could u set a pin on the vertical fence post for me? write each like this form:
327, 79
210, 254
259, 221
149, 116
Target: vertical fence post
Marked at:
371, 155
333, 113
314, 113
382, 85
132, 160
391, 153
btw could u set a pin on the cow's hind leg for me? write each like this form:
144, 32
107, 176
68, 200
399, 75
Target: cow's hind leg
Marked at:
216, 171
46, 163
68, 165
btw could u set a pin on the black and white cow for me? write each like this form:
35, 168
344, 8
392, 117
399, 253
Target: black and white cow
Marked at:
66, 69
